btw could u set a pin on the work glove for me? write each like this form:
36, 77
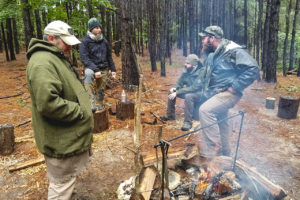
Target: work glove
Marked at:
172, 96
172, 90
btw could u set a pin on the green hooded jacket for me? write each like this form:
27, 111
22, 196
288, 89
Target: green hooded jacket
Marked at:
190, 81
61, 112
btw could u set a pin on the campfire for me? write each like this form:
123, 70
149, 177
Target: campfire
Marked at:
190, 178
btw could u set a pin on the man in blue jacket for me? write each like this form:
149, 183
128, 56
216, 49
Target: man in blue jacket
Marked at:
95, 54
229, 69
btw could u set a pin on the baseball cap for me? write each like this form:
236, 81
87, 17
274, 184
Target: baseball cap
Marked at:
215, 31
63, 30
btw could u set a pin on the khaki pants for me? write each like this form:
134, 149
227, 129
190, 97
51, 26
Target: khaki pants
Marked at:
100, 83
215, 139
62, 175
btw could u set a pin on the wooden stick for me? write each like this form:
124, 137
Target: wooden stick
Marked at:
22, 123
157, 117
15, 95
26, 164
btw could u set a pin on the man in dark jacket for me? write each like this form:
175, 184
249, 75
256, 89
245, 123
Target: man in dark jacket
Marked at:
187, 87
228, 71
95, 54
61, 112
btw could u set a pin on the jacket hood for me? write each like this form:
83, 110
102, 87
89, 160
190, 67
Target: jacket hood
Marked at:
41, 45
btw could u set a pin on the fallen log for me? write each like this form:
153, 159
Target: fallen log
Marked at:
26, 164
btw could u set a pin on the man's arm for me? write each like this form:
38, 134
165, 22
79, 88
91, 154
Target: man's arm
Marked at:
248, 71
47, 89
84, 57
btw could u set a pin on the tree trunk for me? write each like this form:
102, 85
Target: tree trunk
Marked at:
1, 41
273, 42
141, 39
259, 30
10, 39
151, 4
15, 35
184, 23
102, 12
287, 30
179, 25
90, 8
169, 31
163, 39
190, 5
266, 38
293, 36
108, 27
245, 22
117, 46
130, 74
44, 18
28, 28
38, 24
4, 42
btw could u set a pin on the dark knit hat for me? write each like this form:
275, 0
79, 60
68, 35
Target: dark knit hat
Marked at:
93, 22
192, 59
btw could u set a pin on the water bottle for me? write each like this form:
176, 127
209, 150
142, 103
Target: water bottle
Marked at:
123, 99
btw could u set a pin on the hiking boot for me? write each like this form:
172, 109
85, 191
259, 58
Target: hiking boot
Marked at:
166, 118
186, 126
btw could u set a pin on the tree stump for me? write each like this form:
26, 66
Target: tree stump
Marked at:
288, 107
100, 121
125, 110
7, 139
270, 102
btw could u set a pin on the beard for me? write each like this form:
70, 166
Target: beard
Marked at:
208, 48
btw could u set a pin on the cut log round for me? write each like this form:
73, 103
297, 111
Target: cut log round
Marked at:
125, 110
100, 121
7, 139
288, 107
270, 102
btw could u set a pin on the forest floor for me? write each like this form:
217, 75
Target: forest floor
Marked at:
268, 143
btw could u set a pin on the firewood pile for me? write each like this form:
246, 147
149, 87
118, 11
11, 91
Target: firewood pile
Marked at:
191, 179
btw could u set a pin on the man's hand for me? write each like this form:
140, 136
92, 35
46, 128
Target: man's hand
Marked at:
231, 90
172, 90
98, 75
113, 74
172, 96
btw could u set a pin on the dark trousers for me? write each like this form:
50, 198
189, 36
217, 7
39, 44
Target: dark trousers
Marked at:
190, 99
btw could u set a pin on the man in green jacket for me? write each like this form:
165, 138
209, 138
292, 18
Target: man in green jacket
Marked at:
61, 112
187, 87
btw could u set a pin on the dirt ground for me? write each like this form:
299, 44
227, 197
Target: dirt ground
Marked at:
268, 143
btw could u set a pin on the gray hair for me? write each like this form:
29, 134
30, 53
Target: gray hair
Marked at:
45, 37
